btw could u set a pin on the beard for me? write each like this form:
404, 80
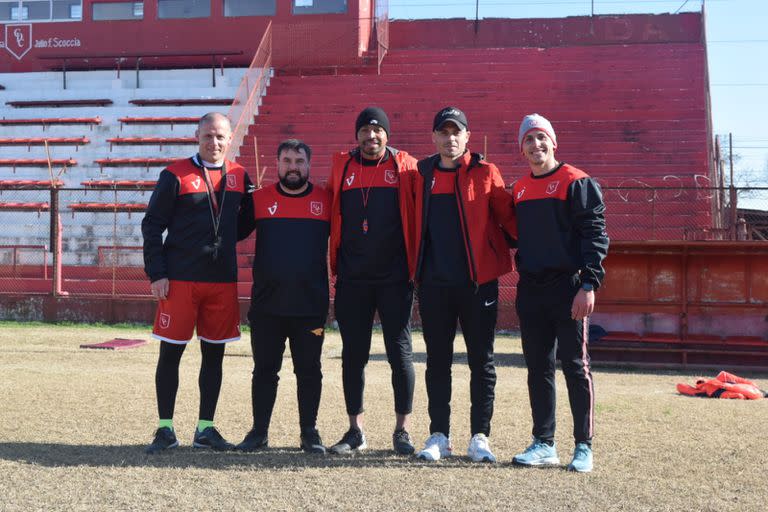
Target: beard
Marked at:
293, 180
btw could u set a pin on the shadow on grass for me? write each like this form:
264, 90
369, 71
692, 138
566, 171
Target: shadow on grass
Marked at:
501, 359
279, 458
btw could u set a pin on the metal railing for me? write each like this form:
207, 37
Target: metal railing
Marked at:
381, 28
252, 88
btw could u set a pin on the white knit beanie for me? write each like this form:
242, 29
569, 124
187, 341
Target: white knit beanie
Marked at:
536, 122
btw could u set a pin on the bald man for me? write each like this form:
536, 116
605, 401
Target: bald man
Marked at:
193, 273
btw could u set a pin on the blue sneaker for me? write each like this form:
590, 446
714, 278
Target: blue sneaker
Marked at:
582, 459
538, 453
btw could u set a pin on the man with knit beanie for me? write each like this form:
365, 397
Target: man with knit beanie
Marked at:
561, 246
371, 212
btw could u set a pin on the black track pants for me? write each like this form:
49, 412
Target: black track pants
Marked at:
355, 306
548, 331
476, 311
305, 336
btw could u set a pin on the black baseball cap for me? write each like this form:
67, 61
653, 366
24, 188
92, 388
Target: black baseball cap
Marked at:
451, 114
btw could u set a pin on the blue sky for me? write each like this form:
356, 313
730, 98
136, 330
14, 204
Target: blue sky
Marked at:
737, 50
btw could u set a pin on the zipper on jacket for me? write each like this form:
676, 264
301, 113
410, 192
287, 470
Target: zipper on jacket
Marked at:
465, 229
427, 193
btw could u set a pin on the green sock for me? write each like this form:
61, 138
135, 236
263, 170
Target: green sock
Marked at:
203, 424
166, 423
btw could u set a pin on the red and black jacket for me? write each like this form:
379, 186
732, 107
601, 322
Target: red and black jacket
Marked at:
561, 226
180, 205
290, 263
397, 193
486, 215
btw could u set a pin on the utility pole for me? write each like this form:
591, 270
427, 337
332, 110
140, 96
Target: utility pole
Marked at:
477, 15
734, 200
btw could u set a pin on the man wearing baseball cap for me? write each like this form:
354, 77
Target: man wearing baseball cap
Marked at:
464, 220
371, 212
561, 246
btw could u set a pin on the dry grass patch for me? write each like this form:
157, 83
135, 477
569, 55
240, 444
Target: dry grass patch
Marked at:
75, 422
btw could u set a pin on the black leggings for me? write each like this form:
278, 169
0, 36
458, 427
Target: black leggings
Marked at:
167, 378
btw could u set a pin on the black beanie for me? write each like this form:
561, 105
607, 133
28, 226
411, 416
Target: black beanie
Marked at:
374, 116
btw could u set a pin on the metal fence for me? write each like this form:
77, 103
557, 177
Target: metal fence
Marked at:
94, 236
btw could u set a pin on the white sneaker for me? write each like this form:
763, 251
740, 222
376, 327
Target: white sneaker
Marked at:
479, 450
436, 447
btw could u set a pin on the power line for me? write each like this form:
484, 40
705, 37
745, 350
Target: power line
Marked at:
460, 3
678, 9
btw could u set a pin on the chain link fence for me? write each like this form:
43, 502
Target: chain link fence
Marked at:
100, 232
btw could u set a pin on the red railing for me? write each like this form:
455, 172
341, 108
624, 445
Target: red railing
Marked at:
249, 94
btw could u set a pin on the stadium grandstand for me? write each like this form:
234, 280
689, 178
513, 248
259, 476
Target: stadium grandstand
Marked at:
99, 95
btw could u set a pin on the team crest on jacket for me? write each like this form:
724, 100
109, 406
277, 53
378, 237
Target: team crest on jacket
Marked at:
316, 208
350, 180
520, 194
390, 176
552, 187
197, 183
231, 181
165, 320
272, 209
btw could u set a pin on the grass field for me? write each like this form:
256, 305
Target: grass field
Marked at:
74, 423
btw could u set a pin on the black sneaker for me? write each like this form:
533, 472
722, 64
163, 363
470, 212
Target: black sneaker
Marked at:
353, 440
165, 439
311, 442
402, 443
254, 441
210, 438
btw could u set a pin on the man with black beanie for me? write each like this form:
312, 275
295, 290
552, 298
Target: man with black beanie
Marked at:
371, 212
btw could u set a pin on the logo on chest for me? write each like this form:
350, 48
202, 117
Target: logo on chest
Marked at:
390, 176
272, 209
196, 183
350, 180
231, 181
552, 187
316, 208
520, 194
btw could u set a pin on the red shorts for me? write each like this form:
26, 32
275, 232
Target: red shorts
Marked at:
211, 307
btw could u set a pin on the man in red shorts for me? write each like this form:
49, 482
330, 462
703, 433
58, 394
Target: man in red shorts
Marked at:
193, 272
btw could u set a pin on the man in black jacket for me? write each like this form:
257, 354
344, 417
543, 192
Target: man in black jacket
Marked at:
561, 246
193, 273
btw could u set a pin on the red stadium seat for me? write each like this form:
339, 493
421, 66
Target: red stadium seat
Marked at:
36, 162
98, 102
25, 207
41, 141
118, 184
46, 121
161, 141
182, 102
29, 184
108, 207
158, 120
143, 162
